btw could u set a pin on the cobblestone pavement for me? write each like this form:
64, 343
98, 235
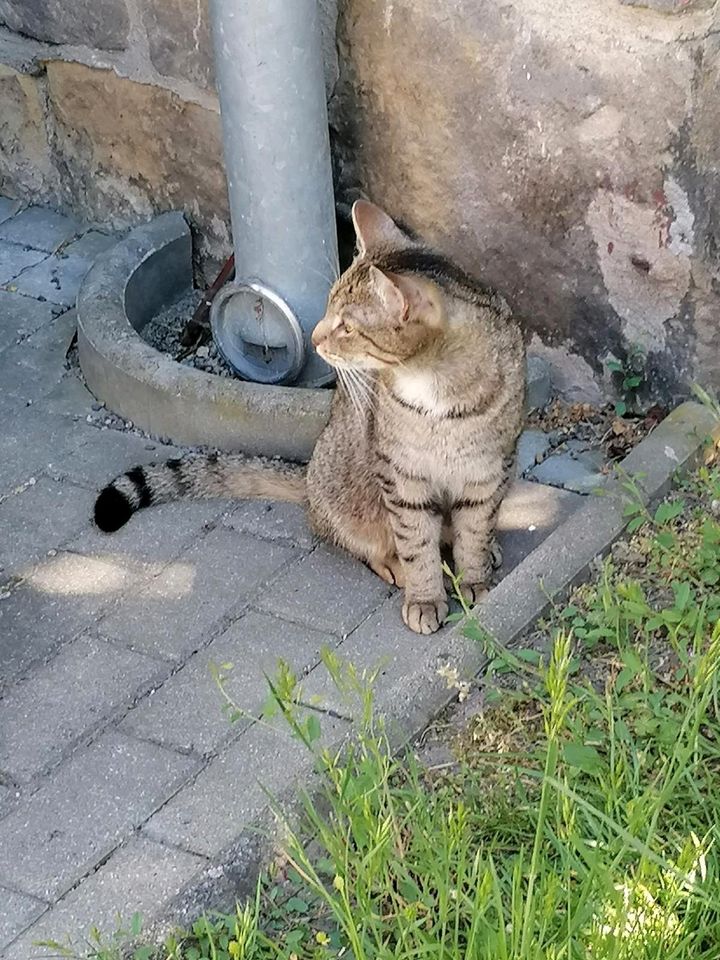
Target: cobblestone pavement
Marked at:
120, 778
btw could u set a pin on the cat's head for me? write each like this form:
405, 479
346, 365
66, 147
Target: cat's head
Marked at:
376, 319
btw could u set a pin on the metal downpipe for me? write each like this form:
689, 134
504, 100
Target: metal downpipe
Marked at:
271, 86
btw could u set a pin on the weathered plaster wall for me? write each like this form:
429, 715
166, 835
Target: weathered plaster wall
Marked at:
568, 152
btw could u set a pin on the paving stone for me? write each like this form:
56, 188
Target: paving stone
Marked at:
40, 518
32, 369
532, 445
327, 590
35, 621
39, 228
90, 245
186, 712
69, 397
195, 592
565, 470
231, 791
63, 701
15, 258
272, 521
56, 279
529, 513
17, 913
20, 316
83, 810
153, 538
8, 208
138, 877
103, 454
32, 442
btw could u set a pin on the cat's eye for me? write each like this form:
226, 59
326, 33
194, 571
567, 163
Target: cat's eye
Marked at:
348, 327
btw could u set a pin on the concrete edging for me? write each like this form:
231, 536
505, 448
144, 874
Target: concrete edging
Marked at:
126, 286
410, 693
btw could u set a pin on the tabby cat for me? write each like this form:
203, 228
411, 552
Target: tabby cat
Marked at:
420, 446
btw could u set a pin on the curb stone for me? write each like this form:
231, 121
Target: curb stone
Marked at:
410, 699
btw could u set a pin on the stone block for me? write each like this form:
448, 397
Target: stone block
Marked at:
26, 163
69, 397
40, 518
33, 368
539, 383
14, 259
83, 810
179, 37
529, 513
566, 470
45, 611
8, 208
56, 279
231, 792
21, 316
272, 521
139, 877
91, 23
327, 590
532, 446
18, 912
90, 245
152, 539
39, 228
33, 442
151, 151
192, 596
65, 700
186, 712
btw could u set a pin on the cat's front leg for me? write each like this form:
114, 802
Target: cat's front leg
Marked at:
475, 548
417, 525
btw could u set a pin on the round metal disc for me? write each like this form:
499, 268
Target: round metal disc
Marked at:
257, 333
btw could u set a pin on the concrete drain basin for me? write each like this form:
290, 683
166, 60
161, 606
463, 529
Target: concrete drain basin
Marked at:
127, 286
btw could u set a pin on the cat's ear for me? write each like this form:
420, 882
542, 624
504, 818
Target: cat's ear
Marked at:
373, 226
390, 294
421, 298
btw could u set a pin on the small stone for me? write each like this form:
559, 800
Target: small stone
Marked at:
97, 406
129, 424
52, 553
108, 421
149, 446
89, 418
202, 352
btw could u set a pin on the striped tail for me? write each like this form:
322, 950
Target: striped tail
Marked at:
197, 477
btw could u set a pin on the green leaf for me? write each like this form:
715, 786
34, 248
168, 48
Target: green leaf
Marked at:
614, 366
620, 408
312, 728
136, 924
582, 756
296, 905
529, 656
682, 595
668, 510
635, 524
666, 539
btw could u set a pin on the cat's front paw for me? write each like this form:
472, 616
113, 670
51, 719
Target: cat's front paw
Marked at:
425, 616
473, 592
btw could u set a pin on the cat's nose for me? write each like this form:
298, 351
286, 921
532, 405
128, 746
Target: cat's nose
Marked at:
318, 335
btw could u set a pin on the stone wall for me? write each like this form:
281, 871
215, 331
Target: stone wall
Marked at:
568, 152
108, 109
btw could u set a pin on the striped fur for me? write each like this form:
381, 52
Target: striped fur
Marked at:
419, 449
197, 477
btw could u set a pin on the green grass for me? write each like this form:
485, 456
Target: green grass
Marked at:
583, 819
